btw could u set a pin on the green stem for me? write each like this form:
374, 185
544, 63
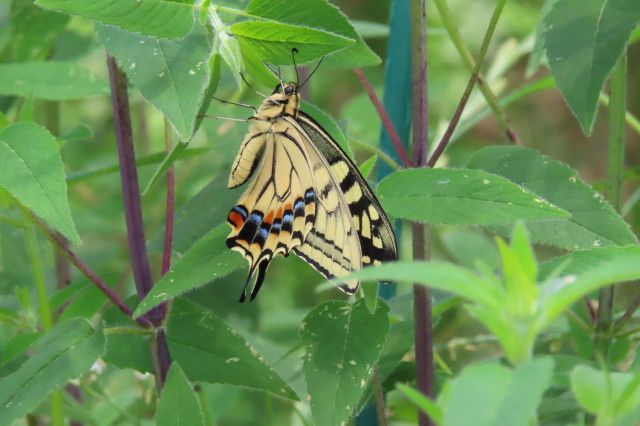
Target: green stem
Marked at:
470, 63
57, 412
453, 124
613, 185
631, 120
377, 151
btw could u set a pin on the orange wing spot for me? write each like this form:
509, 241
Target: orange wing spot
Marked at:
235, 219
269, 217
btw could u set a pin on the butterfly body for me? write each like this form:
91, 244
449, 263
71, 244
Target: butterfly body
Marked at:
306, 197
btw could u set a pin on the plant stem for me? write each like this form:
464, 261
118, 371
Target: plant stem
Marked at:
57, 412
386, 121
423, 331
613, 185
470, 63
168, 226
467, 92
376, 151
133, 212
631, 120
59, 241
379, 397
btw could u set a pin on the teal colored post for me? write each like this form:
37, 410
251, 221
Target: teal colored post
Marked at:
397, 103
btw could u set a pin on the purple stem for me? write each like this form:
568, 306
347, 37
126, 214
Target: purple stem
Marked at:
168, 225
423, 331
386, 121
133, 211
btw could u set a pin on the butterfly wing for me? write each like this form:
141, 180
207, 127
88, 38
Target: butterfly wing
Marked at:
374, 231
277, 211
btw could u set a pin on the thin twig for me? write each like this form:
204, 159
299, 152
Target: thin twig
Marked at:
628, 314
379, 396
168, 226
386, 121
613, 187
423, 330
59, 241
133, 214
444, 141
469, 61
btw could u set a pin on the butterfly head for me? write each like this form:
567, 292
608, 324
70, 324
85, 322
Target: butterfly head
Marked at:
284, 100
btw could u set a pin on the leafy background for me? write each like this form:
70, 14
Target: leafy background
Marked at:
240, 364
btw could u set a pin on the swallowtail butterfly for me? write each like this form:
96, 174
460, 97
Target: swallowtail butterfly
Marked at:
307, 196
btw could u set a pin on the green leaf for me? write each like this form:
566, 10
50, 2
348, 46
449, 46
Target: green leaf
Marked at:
491, 394
272, 41
209, 350
591, 388
68, 350
329, 125
422, 402
586, 271
460, 197
53, 81
79, 133
367, 167
126, 350
167, 162
173, 75
520, 272
178, 404
343, 344
436, 274
593, 222
227, 46
31, 170
368, 29
159, 18
33, 31
208, 260
583, 40
322, 15
536, 57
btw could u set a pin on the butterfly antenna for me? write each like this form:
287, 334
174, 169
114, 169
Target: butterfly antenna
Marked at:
295, 67
251, 87
313, 72
235, 103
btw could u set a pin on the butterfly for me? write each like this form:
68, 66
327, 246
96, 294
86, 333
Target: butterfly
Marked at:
307, 196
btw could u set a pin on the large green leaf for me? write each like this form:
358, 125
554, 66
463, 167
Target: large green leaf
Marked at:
273, 41
171, 74
492, 394
33, 30
31, 170
208, 260
460, 196
343, 343
209, 350
607, 393
68, 350
318, 14
583, 40
436, 274
593, 221
585, 271
329, 125
160, 18
178, 404
53, 81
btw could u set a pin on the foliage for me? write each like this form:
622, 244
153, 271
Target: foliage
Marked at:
526, 239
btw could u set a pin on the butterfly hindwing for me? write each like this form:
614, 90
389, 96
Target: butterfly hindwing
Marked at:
370, 221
